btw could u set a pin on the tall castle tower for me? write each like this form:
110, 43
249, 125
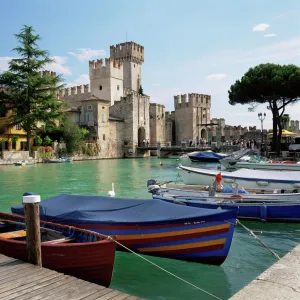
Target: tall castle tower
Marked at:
192, 113
106, 77
132, 57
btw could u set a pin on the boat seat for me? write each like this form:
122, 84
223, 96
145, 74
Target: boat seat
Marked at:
13, 234
59, 241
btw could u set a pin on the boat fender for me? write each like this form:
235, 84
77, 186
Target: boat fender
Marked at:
262, 183
228, 180
297, 185
263, 213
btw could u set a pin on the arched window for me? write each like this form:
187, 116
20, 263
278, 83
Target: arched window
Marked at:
100, 87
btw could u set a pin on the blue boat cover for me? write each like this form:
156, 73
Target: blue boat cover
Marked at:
206, 155
77, 209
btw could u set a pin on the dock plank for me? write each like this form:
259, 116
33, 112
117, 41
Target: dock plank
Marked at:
23, 281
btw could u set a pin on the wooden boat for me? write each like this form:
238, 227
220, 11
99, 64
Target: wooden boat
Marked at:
57, 160
255, 210
24, 163
179, 191
259, 191
77, 252
205, 156
148, 226
253, 179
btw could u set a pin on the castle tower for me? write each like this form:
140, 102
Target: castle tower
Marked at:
106, 78
132, 57
192, 113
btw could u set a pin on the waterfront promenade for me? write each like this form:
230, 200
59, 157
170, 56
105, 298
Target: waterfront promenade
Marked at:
281, 281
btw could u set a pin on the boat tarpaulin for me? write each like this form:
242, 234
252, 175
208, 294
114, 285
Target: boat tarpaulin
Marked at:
206, 155
77, 209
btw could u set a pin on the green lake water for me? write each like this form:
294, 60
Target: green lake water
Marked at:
132, 275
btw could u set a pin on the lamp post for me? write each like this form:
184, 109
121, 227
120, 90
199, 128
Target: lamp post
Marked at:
262, 116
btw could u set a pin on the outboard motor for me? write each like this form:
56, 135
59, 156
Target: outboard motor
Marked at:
153, 189
151, 182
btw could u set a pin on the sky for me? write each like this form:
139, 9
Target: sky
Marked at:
191, 46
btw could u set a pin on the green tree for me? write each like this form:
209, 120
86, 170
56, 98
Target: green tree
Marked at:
141, 91
47, 141
271, 84
72, 135
28, 92
84, 132
38, 140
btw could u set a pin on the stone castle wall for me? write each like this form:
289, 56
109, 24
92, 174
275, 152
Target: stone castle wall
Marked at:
157, 123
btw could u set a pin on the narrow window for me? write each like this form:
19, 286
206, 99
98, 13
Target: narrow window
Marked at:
100, 87
103, 137
118, 87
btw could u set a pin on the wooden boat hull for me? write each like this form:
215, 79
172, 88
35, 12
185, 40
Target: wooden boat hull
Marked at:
255, 180
147, 226
288, 212
91, 261
198, 241
185, 193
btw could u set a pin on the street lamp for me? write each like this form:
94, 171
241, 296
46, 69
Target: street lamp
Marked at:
262, 116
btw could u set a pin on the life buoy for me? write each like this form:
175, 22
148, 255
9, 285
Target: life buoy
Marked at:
237, 196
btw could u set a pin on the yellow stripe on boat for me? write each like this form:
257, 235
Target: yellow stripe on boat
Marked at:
184, 246
122, 237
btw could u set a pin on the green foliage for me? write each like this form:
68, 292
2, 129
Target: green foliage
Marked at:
271, 84
285, 119
72, 135
30, 94
141, 91
43, 154
84, 132
38, 140
47, 141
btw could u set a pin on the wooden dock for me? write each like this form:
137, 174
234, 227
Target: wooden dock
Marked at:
22, 281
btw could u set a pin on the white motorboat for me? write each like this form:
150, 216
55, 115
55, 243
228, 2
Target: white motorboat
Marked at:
248, 178
262, 165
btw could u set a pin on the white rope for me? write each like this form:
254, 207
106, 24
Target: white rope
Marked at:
258, 239
154, 264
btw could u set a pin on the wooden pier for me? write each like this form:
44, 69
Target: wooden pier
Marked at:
22, 281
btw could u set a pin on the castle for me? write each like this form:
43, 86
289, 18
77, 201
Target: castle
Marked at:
111, 106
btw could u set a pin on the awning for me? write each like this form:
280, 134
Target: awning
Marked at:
284, 133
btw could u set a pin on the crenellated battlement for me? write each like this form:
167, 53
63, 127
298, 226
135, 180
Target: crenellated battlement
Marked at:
129, 51
79, 90
47, 73
192, 100
104, 68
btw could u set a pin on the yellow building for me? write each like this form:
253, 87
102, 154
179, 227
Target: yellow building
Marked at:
11, 138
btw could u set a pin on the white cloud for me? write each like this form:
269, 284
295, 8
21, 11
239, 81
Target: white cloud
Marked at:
216, 76
59, 65
87, 53
82, 79
287, 14
261, 27
4, 63
270, 34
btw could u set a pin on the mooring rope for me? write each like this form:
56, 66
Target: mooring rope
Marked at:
258, 239
154, 264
